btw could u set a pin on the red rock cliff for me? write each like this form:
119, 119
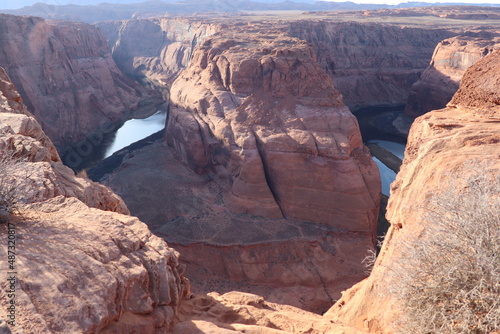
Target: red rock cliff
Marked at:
370, 64
451, 58
67, 77
441, 144
261, 112
155, 49
82, 264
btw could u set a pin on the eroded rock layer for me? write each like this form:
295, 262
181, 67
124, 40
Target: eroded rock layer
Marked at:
81, 264
441, 144
67, 77
261, 113
155, 50
450, 60
370, 64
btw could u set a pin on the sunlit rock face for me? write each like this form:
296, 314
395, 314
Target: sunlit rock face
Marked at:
67, 77
442, 144
82, 264
262, 113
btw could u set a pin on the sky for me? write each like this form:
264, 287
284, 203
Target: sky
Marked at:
14, 4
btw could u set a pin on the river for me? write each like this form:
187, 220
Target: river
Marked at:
134, 130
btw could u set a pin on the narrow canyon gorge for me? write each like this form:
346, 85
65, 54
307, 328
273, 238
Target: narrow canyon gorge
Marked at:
259, 201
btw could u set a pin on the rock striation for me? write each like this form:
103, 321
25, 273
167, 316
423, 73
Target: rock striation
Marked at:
439, 142
68, 79
261, 114
82, 264
370, 64
450, 60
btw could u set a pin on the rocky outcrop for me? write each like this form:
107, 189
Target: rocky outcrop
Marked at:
262, 114
81, 264
370, 64
237, 312
166, 50
441, 144
68, 79
441, 79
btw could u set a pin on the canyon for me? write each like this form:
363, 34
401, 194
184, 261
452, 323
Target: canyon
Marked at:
68, 79
259, 189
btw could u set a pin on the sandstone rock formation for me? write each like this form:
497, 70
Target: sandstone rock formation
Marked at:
370, 64
442, 77
237, 312
68, 79
156, 49
260, 113
78, 268
441, 144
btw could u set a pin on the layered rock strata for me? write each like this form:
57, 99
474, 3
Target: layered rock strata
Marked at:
155, 50
451, 58
68, 79
370, 64
81, 264
441, 144
262, 115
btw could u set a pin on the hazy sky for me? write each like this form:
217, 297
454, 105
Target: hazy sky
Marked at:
14, 4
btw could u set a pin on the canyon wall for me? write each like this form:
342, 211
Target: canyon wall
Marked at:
156, 49
68, 79
450, 60
81, 263
442, 146
370, 64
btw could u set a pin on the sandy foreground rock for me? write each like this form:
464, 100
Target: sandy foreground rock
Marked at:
78, 268
442, 143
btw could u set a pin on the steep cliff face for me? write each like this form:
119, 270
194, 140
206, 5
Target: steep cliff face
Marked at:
155, 49
441, 144
450, 60
370, 64
262, 113
81, 264
67, 77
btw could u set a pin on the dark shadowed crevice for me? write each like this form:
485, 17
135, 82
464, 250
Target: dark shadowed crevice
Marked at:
269, 181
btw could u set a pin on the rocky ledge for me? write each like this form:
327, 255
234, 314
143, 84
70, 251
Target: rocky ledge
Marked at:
81, 264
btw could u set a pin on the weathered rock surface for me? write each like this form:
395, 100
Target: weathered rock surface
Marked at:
68, 79
286, 261
370, 64
440, 142
262, 114
441, 78
236, 312
79, 269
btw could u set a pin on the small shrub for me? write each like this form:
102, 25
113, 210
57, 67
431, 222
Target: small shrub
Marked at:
9, 199
449, 280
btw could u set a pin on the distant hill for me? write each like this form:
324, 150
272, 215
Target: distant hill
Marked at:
92, 12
